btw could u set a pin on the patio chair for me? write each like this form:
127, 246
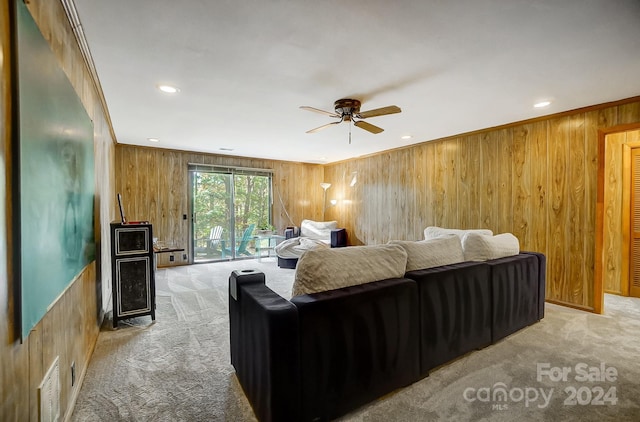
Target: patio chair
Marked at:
206, 246
241, 249
215, 237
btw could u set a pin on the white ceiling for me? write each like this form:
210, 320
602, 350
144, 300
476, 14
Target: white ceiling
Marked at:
244, 67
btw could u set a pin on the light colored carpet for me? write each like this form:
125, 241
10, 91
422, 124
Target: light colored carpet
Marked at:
177, 368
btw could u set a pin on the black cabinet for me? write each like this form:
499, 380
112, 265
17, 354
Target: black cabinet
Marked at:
133, 278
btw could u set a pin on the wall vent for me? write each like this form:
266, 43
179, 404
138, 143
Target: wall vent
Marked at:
49, 394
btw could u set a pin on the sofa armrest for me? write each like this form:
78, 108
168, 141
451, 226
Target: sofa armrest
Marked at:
515, 288
542, 277
265, 351
338, 238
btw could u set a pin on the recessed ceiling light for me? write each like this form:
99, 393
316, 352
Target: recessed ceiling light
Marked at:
407, 137
226, 149
542, 104
153, 139
168, 89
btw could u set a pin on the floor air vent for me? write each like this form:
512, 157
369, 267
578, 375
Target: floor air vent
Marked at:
49, 394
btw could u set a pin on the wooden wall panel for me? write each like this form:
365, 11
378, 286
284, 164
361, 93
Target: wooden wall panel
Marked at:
505, 185
449, 163
154, 184
577, 209
439, 182
539, 226
401, 201
537, 179
413, 201
369, 195
377, 193
558, 215
70, 328
428, 190
521, 184
465, 181
489, 209
469, 185
590, 196
628, 113
418, 171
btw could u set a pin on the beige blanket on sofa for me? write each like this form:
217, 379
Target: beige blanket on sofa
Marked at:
319, 270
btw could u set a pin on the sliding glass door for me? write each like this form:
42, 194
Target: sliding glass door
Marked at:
228, 205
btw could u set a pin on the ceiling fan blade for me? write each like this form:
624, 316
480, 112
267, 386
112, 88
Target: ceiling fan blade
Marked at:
379, 112
368, 127
317, 110
323, 127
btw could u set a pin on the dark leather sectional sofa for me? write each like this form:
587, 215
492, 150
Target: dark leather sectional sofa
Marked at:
316, 357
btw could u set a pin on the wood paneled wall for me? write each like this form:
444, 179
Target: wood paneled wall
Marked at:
154, 186
70, 328
616, 216
536, 179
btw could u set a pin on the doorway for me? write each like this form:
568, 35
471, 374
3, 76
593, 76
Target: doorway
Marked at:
615, 253
227, 205
634, 226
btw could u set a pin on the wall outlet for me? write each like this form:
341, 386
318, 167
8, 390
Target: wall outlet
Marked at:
73, 373
172, 258
184, 256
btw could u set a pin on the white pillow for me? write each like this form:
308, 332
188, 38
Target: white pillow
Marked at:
320, 230
431, 232
478, 247
431, 253
319, 270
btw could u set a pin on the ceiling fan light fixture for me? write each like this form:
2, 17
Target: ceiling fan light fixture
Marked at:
348, 110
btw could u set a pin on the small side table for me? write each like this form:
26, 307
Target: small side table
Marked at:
157, 250
266, 242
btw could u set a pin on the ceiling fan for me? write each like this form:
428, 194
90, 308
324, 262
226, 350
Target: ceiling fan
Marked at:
348, 110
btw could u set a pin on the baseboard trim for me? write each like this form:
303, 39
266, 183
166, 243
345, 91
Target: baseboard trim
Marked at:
571, 305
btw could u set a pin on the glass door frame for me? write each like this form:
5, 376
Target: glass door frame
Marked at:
231, 205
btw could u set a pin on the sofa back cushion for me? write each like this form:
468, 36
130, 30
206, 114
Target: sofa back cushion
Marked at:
432, 232
431, 253
319, 270
320, 230
478, 247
